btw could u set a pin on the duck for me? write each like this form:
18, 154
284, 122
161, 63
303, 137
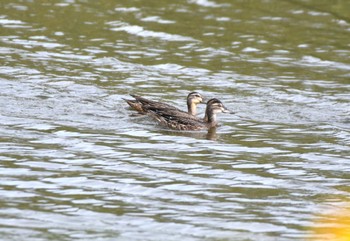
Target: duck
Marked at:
175, 121
143, 105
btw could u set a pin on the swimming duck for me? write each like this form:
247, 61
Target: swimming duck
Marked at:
179, 122
142, 105
205, 118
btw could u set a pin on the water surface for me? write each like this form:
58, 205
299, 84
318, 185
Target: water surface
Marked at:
76, 164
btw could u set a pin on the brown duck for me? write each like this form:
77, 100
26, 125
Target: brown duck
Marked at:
174, 120
143, 105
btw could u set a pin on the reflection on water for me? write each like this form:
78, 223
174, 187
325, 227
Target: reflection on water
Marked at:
211, 135
75, 165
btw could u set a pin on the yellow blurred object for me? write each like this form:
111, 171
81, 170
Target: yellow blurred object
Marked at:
334, 226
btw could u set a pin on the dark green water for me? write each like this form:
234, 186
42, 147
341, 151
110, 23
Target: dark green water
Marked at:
75, 164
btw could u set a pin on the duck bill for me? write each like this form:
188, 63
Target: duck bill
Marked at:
225, 110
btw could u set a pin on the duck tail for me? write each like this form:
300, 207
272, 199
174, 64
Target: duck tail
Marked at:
134, 104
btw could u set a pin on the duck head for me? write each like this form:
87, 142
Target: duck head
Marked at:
214, 106
193, 99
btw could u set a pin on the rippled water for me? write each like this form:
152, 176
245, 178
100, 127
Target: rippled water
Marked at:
77, 164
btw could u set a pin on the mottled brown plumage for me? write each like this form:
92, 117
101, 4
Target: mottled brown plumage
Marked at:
143, 105
174, 120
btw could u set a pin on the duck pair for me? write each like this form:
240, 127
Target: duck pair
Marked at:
174, 118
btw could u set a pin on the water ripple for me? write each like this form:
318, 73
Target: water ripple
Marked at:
78, 164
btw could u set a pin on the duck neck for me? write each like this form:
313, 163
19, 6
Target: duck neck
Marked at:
210, 117
205, 117
192, 108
